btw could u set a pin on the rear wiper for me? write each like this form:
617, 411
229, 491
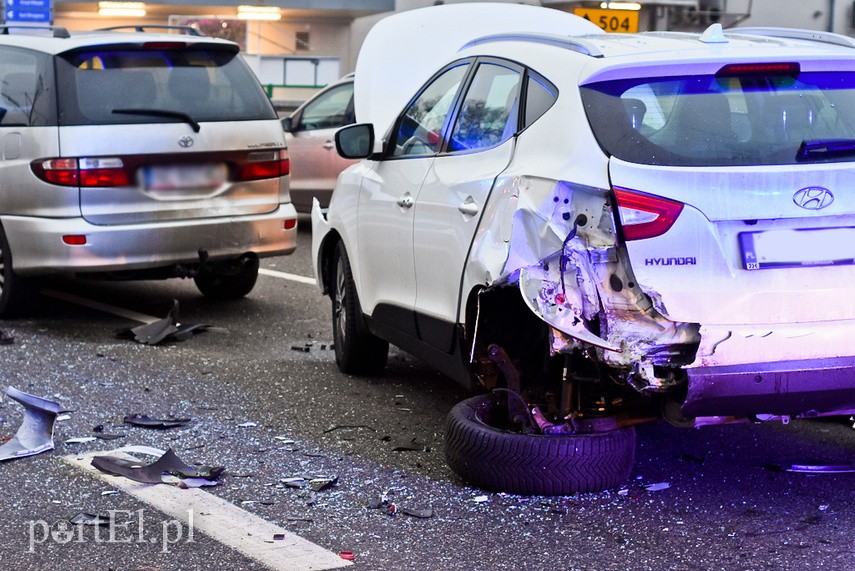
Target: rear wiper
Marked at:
161, 113
821, 149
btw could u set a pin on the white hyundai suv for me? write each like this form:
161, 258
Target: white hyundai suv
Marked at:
596, 230
129, 154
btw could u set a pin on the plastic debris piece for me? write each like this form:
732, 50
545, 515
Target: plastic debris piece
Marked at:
249, 424
346, 426
821, 468
426, 513
153, 473
6, 338
80, 440
166, 329
315, 483
85, 518
657, 487
480, 499
318, 484
278, 537
409, 444
302, 348
347, 555
35, 435
146, 421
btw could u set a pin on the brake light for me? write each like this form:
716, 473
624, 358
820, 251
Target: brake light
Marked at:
743, 69
266, 164
645, 216
87, 172
59, 171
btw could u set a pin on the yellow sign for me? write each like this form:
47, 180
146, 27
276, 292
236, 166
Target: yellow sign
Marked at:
611, 20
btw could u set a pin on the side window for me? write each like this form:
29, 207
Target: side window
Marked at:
488, 115
419, 130
332, 109
540, 95
23, 88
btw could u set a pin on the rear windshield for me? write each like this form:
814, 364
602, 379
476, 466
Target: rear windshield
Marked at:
105, 85
722, 121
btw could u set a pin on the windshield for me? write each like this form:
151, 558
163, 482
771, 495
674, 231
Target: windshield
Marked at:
757, 119
108, 85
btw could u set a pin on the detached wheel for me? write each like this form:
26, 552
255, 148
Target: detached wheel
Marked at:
16, 294
226, 283
533, 464
357, 351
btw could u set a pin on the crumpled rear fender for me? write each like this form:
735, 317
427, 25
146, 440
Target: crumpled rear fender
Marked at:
557, 242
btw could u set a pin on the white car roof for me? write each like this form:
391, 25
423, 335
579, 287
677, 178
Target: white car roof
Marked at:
402, 51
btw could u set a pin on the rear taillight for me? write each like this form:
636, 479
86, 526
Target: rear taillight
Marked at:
265, 164
645, 216
86, 172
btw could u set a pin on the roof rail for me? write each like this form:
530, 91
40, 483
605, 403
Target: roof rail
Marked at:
575, 44
56, 31
187, 30
796, 34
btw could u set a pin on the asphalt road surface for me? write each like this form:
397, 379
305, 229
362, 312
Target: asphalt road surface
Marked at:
267, 403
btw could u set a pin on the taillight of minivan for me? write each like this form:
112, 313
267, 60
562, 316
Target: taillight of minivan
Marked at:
644, 215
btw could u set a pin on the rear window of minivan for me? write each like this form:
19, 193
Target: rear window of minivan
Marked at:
109, 85
754, 119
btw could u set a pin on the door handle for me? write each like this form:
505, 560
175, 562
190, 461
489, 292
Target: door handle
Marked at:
329, 145
469, 207
406, 201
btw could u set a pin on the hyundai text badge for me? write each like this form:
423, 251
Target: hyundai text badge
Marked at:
813, 198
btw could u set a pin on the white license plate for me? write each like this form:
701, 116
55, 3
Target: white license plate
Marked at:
184, 177
797, 248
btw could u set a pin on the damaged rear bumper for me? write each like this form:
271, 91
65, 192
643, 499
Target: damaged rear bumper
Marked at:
809, 387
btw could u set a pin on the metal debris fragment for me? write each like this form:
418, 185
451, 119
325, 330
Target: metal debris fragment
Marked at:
820, 468
166, 329
6, 338
80, 440
146, 421
167, 463
85, 518
659, 486
35, 435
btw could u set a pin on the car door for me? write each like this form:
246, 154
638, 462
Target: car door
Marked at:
315, 164
449, 205
387, 278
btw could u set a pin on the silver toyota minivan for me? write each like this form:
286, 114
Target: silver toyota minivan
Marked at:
136, 155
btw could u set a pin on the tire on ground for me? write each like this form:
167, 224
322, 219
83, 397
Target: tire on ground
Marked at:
533, 464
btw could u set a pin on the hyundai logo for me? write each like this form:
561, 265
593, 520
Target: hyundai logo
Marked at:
185, 142
813, 198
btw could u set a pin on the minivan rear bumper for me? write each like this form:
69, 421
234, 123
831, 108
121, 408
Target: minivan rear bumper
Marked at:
802, 387
37, 245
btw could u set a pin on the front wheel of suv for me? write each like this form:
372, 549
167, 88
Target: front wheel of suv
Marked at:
357, 351
229, 282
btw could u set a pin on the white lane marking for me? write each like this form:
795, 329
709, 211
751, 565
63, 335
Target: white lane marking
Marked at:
222, 521
121, 312
287, 276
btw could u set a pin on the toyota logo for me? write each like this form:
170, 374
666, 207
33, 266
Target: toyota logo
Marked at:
813, 198
185, 142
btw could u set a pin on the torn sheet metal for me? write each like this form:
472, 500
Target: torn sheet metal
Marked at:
155, 472
35, 435
166, 329
146, 421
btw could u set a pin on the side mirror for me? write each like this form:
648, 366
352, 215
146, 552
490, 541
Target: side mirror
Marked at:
355, 141
288, 125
